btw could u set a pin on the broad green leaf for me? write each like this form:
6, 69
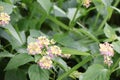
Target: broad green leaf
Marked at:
71, 13
6, 7
95, 72
67, 41
116, 46
36, 33
46, 5
75, 68
23, 36
18, 60
100, 7
107, 2
109, 32
15, 75
61, 63
58, 12
73, 51
14, 33
30, 39
5, 54
87, 33
36, 73
15, 43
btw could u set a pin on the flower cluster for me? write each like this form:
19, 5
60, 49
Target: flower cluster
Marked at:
4, 18
86, 3
108, 52
47, 49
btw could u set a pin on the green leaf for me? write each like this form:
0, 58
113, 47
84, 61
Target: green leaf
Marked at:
18, 60
107, 2
61, 63
109, 32
15, 75
30, 39
75, 68
46, 5
7, 7
5, 54
36, 33
36, 73
73, 51
100, 7
71, 13
67, 41
14, 33
15, 43
58, 11
95, 72
116, 46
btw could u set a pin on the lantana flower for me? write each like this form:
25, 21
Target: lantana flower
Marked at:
55, 50
43, 41
107, 51
34, 48
46, 49
86, 3
45, 62
4, 18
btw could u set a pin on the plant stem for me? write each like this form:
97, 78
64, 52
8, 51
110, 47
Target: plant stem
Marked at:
58, 22
72, 23
108, 16
75, 67
115, 65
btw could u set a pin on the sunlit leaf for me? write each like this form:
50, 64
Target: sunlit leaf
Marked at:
46, 5
6, 7
107, 2
13, 32
109, 32
71, 13
58, 12
116, 46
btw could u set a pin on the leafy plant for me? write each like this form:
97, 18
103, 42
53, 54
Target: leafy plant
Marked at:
85, 33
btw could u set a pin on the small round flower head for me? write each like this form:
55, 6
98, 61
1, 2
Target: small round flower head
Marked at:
34, 48
4, 18
43, 41
65, 55
45, 62
106, 49
55, 50
107, 60
52, 41
86, 3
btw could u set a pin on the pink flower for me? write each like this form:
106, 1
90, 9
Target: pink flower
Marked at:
106, 49
34, 48
86, 3
4, 18
45, 62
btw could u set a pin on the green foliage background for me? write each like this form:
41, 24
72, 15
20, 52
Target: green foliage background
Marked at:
76, 29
